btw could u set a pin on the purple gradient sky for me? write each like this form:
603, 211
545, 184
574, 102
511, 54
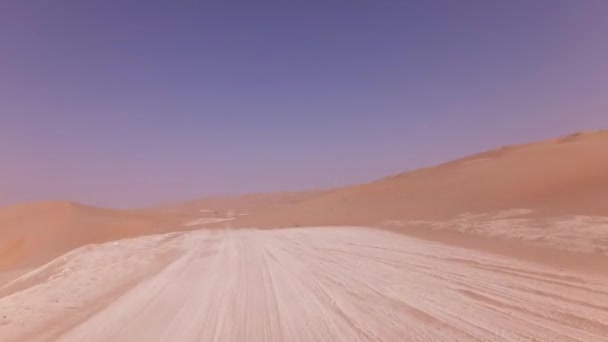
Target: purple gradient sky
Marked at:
130, 103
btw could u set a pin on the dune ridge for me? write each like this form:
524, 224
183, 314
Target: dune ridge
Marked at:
565, 177
556, 177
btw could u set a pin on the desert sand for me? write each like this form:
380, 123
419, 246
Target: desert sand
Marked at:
558, 180
299, 284
506, 245
34, 233
563, 176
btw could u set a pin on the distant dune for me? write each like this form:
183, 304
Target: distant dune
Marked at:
559, 177
564, 176
34, 233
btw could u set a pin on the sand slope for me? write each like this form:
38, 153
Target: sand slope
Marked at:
565, 176
34, 233
309, 284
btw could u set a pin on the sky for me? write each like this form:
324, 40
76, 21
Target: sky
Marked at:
135, 103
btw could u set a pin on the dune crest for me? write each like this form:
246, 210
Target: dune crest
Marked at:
563, 176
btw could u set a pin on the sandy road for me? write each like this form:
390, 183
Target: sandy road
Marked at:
309, 284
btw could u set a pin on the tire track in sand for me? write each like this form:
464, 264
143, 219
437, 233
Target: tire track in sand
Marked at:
345, 284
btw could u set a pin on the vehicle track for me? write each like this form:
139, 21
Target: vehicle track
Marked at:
346, 284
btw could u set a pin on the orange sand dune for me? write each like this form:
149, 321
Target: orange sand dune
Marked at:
34, 233
565, 176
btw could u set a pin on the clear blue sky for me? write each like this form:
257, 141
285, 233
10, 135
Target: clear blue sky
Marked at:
130, 103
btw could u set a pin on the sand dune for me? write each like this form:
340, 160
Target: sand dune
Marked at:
554, 178
32, 234
309, 284
565, 176
532, 201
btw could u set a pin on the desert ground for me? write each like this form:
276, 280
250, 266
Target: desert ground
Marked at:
299, 284
505, 245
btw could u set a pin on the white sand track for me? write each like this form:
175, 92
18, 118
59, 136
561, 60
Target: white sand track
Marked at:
305, 284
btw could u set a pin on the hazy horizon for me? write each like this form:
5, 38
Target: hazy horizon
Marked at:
117, 104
